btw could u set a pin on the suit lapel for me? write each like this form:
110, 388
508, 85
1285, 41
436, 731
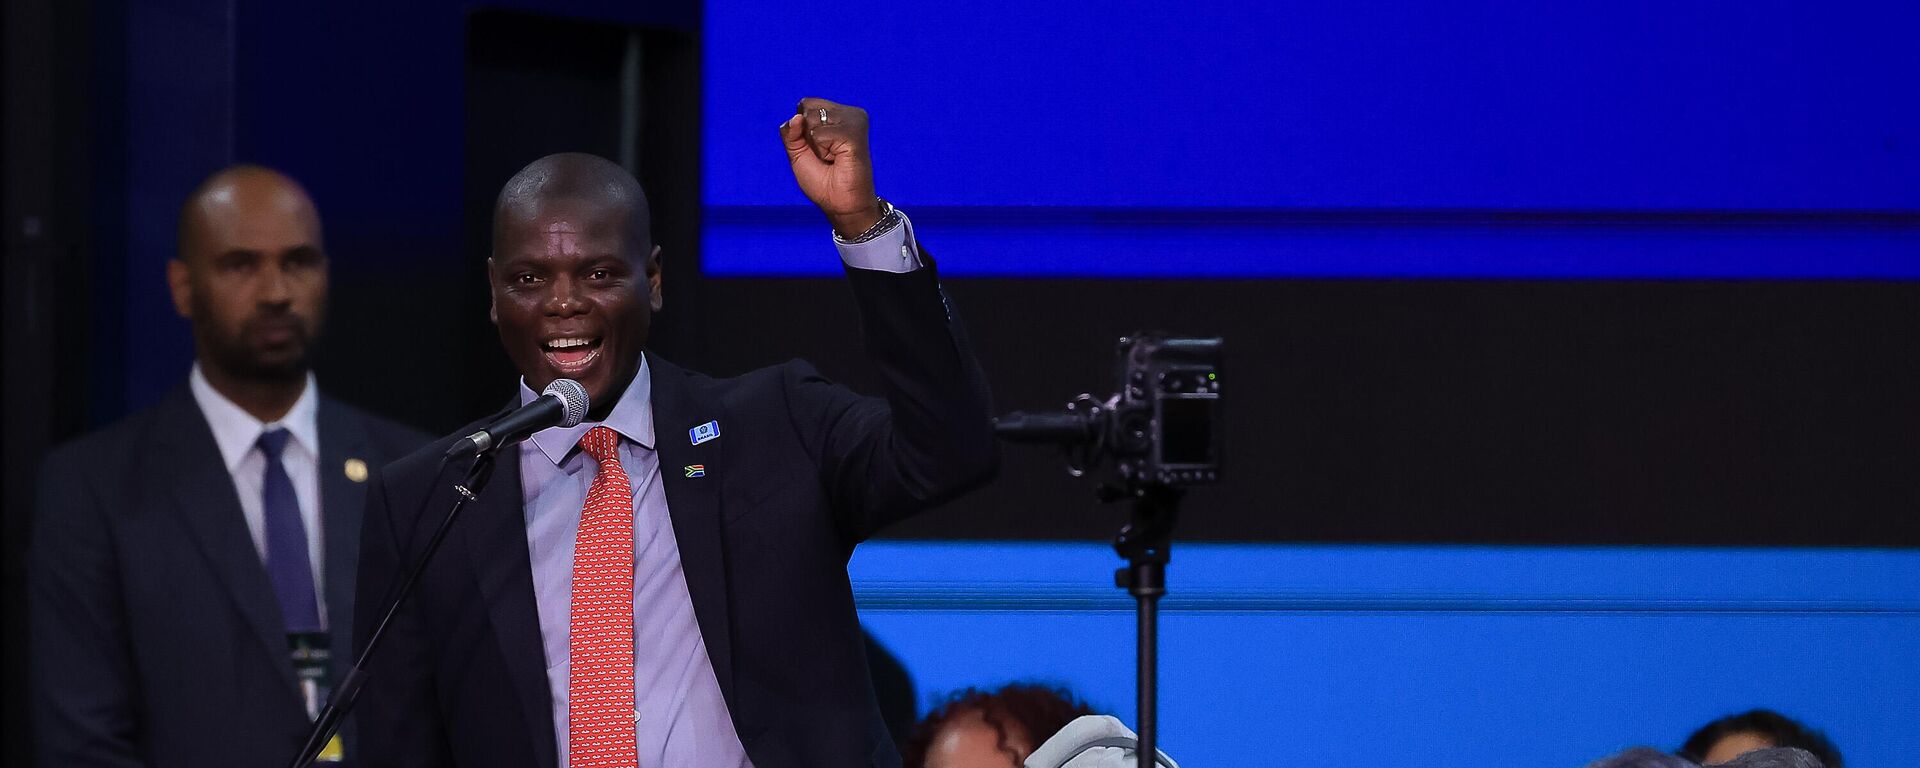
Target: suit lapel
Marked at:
209, 506
495, 530
343, 495
694, 505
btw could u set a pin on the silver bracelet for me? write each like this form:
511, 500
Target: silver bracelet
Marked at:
889, 218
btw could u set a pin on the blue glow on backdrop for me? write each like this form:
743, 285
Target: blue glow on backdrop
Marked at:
1286, 139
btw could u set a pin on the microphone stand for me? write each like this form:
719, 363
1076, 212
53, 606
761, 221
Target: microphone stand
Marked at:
341, 702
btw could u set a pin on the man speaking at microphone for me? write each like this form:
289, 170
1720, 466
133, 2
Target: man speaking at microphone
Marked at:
664, 584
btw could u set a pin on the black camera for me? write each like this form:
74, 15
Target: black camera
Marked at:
1160, 427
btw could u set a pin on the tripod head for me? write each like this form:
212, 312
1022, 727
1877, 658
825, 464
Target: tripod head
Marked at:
1161, 426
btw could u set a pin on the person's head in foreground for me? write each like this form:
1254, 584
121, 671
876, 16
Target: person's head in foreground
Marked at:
1729, 737
975, 729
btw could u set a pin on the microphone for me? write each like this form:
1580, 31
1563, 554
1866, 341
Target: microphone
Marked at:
562, 404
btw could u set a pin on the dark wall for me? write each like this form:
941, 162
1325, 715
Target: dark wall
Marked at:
44, 72
1750, 413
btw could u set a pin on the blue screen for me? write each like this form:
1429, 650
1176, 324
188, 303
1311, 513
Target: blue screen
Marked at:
1336, 139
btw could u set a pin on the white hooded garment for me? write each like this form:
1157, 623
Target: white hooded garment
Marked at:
1093, 741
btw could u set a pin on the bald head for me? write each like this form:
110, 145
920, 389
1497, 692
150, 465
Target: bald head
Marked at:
235, 205
578, 180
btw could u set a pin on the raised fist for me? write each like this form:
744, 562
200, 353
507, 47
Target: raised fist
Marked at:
827, 146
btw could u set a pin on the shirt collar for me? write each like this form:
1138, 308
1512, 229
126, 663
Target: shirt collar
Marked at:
236, 432
632, 417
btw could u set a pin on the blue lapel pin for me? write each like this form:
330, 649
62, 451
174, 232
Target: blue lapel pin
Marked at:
704, 432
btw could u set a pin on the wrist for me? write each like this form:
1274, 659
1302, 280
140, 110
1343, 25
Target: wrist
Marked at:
851, 225
888, 217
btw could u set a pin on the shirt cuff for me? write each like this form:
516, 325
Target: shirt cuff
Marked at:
893, 251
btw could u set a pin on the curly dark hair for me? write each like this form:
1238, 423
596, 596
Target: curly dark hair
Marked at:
1778, 729
1020, 709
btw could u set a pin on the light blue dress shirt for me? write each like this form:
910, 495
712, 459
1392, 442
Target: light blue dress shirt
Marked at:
680, 717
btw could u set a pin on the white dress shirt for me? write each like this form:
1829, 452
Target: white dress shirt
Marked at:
237, 433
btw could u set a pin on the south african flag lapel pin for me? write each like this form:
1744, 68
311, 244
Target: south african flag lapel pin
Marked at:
696, 470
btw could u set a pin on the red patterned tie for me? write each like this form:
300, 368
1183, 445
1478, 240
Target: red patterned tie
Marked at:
600, 649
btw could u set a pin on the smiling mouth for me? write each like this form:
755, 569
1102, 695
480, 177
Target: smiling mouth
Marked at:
571, 355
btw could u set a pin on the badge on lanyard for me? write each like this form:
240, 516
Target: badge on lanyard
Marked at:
313, 669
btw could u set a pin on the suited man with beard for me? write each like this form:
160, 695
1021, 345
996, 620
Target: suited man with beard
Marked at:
191, 567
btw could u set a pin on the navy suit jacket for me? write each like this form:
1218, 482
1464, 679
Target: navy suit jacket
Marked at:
155, 636
802, 471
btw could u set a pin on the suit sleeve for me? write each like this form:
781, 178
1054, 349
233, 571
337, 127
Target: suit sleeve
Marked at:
85, 695
397, 715
930, 439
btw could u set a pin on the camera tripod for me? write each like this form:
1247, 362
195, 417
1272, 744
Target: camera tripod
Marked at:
1145, 542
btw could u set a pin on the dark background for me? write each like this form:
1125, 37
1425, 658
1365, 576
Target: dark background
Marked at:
1566, 412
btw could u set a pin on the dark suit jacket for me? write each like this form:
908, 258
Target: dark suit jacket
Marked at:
802, 471
156, 637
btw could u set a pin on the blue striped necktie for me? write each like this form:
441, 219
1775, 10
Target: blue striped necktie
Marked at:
287, 561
